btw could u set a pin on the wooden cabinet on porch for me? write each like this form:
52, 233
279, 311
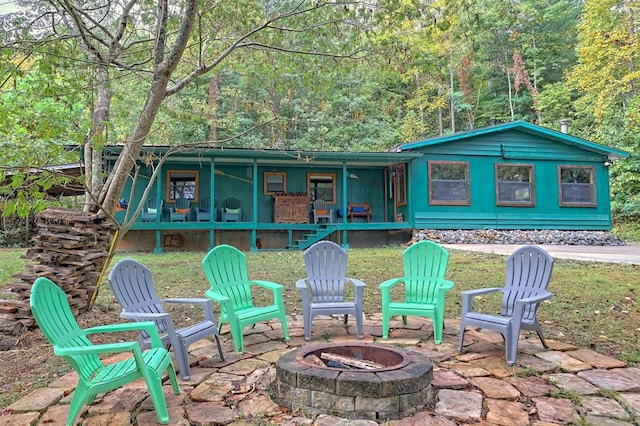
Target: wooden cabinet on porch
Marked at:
290, 208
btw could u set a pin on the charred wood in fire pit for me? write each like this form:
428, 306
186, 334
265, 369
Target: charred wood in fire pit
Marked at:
348, 361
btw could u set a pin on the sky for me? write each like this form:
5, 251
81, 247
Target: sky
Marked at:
7, 6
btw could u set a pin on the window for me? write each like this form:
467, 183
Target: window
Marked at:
449, 183
275, 182
577, 186
514, 185
322, 186
400, 184
182, 184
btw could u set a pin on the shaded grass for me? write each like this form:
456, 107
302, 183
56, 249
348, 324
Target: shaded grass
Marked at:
595, 305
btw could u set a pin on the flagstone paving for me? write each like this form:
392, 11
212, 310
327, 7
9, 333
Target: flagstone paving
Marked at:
558, 386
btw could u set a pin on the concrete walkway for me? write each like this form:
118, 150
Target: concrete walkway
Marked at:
559, 386
611, 254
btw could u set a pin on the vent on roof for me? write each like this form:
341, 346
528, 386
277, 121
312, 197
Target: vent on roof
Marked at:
564, 126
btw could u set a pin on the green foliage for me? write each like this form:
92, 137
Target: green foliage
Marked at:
40, 117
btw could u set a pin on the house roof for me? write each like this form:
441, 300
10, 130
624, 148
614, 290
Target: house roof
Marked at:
522, 126
73, 171
266, 156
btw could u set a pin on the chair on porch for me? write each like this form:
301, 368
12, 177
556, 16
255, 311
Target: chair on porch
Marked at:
323, 290
226, 270
527, 277
321, 211
181, 210
204, 211
133, 287
152, 210
425, 264
231, 210
52, 312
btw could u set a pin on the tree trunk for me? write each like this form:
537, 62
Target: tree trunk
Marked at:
213, 104
96, 137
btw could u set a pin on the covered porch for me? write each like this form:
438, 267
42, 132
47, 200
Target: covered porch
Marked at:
262, 183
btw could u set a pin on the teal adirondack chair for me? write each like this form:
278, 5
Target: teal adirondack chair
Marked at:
181, 211
226, 269
52, 312
425, 264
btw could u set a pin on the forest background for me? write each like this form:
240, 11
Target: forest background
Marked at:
309, 75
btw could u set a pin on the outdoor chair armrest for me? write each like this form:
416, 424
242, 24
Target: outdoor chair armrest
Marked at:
480, 291
270, 285
356, 282
106, 348
204, 303
145, 316
148, 326
301, 284
388, 284
443, 287
468, 295
224, 301
535, 298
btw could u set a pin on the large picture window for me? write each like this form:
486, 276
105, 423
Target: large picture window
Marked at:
322, 186
275, 182
182, 184
577, 186
449, 183
515, 185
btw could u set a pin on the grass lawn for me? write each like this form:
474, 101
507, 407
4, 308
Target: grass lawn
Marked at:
596, 305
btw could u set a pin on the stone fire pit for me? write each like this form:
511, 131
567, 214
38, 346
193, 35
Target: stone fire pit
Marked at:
394, 383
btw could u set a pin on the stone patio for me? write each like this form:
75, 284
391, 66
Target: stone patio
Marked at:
558, 386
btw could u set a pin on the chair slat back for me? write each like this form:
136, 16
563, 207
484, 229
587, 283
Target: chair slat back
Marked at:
205, 204
528, 273
425, 265
231, 203
326, 265
182, 203
226, 270
133, 287
50, 308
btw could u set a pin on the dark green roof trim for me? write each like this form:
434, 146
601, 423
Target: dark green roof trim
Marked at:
279, 156
523, 126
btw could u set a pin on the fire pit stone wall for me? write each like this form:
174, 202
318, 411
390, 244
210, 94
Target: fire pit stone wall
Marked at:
387, 393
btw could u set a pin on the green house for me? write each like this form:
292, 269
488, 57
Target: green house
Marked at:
511, 176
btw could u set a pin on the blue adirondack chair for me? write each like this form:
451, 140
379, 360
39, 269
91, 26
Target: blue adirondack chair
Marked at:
132, 285
152, 210
226, 269
231, 210
181, 211
52, 312
528, 274
323, 289
425, 265
205, 210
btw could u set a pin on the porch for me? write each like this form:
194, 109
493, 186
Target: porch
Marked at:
254, 236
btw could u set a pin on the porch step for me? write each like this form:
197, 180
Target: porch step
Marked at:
311, 238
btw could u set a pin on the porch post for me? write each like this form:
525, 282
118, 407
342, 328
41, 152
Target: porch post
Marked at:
345, 197
254, 246
213, 214
158, 249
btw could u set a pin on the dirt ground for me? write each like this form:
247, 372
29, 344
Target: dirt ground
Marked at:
32, 364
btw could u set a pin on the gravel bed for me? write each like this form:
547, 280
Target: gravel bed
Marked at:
493, 236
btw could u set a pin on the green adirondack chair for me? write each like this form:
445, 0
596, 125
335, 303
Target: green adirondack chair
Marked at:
226, 269
425, 264
52, 312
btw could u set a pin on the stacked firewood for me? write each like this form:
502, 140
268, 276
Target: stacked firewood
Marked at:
70, 248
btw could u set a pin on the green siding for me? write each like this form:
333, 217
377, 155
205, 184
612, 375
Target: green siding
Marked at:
482, 153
